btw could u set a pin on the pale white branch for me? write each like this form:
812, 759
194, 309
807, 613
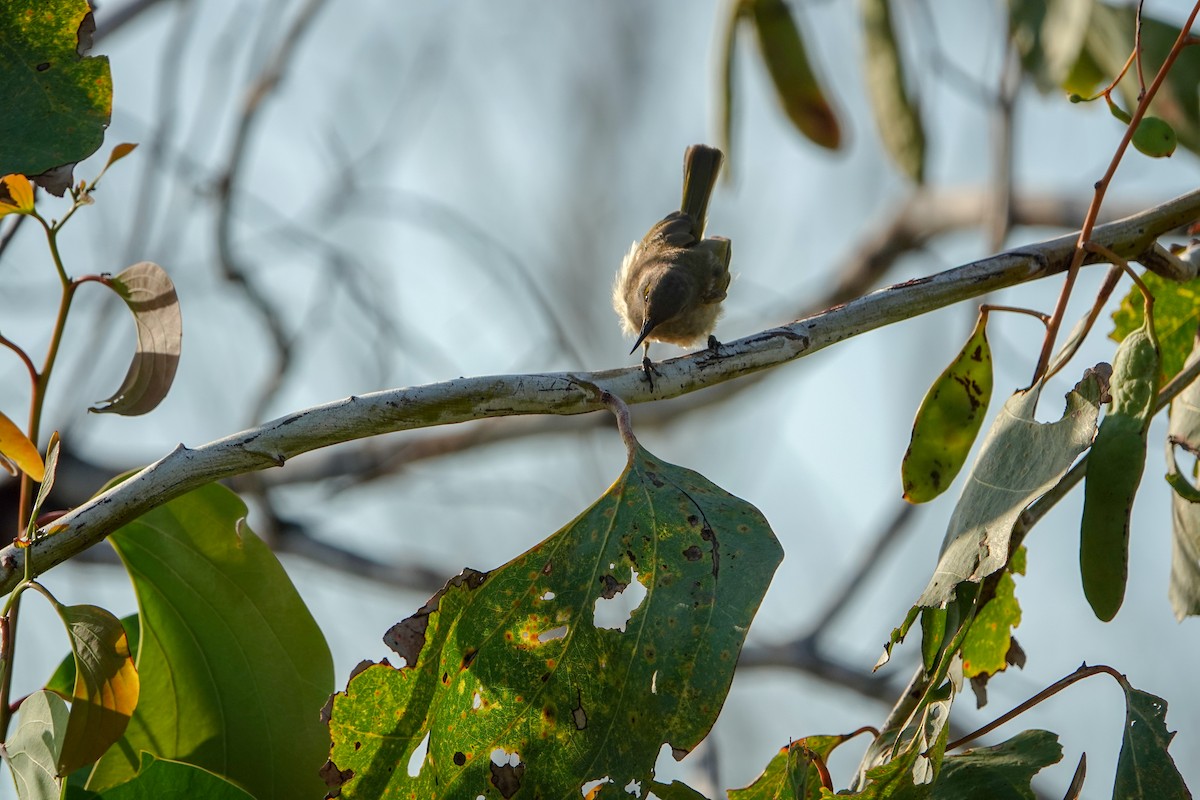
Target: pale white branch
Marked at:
272, 444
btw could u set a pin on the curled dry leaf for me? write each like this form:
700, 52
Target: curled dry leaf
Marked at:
150, 295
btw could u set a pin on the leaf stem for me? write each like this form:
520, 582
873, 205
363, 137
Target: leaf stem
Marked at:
1089, 222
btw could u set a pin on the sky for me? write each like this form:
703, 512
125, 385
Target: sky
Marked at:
444, 190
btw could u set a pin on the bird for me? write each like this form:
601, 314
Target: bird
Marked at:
671, 284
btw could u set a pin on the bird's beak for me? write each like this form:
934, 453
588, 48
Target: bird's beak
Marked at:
647, 326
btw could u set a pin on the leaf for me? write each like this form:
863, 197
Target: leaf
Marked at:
1002, 772
106, 685
19, 198
513, 682
986, 646
233, 668
1145, 769
1176, 310
949, 420
1184, 428
47, 480
62, 681
900, 632
150, 295
16, 447
792, 773
1114, 471
1020, 459
796, 84
161, 778
57, 102
34, 746
896, 113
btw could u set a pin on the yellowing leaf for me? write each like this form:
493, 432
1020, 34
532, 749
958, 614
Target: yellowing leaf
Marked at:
16, 447
106, 685
796, 83
150, 295
20, 192
949, 420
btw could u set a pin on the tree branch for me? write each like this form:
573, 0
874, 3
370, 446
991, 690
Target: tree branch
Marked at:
464, 399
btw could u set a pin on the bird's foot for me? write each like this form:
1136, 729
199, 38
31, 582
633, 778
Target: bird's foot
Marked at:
649, 370
714, 346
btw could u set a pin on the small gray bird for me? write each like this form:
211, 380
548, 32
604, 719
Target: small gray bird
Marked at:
671, 283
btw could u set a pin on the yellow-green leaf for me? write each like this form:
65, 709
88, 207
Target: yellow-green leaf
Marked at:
147, 290
949, 419
106, 685
800, 93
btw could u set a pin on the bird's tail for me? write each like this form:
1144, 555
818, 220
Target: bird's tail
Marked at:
701, 164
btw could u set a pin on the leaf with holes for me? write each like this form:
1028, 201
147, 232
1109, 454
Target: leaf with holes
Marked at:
1145, 769
57, 101
106, 685
150, 295
511, 682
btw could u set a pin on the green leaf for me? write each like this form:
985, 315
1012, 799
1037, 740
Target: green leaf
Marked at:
57, 102
791, 774
33, 747
233, 668
1176, 309
150, 295
1114, 471
1145, 770
161, 778
1184, 429
949, 420
48, 472
796, 84
513, 683
1154, 137
1020, 459
1002, 772
896, 113
105, 693
899, 633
